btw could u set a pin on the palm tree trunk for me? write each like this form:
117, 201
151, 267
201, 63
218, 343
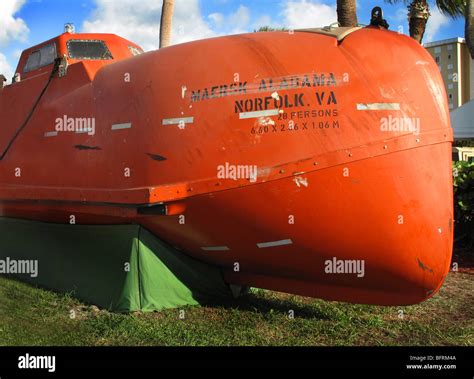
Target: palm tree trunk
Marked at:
347, 12
418, 14
166, 23
469, 28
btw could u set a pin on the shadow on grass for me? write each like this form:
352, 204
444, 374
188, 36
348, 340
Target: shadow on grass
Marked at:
256, 303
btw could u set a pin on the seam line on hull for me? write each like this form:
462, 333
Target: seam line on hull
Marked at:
378, 107
178, 120
127, 125
215, 248
263, 245
256, 114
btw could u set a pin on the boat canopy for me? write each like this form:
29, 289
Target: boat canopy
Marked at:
85, 47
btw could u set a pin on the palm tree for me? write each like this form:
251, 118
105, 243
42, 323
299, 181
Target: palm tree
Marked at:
469, 27
166, 23
271, 29
347, 12
419, 13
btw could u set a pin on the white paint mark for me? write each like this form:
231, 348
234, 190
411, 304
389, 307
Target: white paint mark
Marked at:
257, 114
178, 121
215, 248
51, 134
183, 91
387, 93
276, 96
263, 245
82, 131
127, 125
265, 121
378, 107
300, 181
264, 172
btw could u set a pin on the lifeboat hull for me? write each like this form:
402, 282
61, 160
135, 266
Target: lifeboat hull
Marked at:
351, 196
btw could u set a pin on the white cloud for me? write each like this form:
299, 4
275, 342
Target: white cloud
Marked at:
400, 15
307, 14
17, 54
436, 22
139, 21
5, 67
216, 18
239, 20
11, 27
232, 23
264, 20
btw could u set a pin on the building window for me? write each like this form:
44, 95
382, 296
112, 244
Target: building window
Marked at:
450, 86
450, 96
450, 66
451, 106
449, 56
450, 47
437, 59
437, 50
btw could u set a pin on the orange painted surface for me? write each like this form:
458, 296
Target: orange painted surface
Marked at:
335, 181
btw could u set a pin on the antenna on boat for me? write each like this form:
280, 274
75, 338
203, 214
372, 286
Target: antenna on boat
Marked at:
69, 28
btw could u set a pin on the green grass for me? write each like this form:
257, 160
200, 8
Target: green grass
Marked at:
31, 316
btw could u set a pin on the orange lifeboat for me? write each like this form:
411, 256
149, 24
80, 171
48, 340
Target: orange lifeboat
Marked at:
317, 162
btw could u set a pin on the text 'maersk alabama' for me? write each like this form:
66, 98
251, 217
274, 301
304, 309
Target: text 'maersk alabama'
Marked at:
269, 85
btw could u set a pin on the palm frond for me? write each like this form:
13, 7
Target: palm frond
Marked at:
452, 8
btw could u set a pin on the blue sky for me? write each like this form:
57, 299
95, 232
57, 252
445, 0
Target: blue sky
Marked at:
24, 23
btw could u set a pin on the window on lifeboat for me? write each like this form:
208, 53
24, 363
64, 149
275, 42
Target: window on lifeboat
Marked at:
40, 58
88, 50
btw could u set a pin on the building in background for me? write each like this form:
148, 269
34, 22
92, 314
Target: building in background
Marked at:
457, 69
462, 121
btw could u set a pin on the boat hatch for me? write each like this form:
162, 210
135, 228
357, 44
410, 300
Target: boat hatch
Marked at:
337, 32
88, 50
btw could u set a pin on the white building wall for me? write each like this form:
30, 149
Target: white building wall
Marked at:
471, 78
462, 121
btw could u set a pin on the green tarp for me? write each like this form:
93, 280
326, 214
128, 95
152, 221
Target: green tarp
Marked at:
122, 268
